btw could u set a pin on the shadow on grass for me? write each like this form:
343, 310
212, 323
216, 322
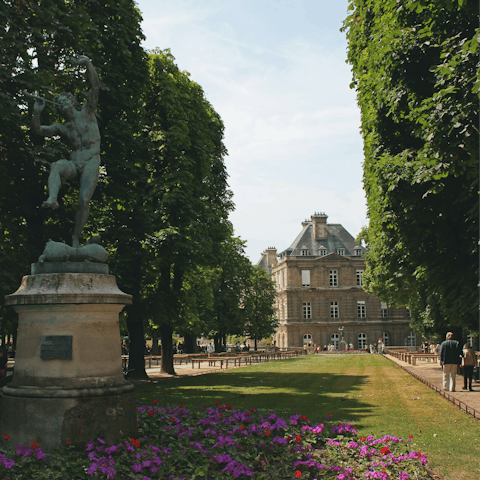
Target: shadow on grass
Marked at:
313, 394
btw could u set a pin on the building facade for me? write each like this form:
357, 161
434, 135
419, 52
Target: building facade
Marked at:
320, 299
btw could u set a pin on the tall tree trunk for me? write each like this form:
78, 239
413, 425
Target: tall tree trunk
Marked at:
217, 342
190, 342
136, 349
166, 335
255, 343
154, 342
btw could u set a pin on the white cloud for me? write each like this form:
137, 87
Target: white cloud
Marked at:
291, 121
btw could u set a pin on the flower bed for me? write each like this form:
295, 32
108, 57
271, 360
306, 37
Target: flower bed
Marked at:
221, 442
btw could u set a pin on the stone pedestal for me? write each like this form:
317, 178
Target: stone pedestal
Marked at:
68, 381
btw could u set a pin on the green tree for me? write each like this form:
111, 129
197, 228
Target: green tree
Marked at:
188, 199
415, 70
258, 305
38, 37
226, 316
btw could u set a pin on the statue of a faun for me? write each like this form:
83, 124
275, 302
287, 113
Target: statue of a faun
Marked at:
80, 132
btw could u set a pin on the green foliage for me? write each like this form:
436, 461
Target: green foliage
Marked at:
187, 200
415, 71
37, 39
258, 305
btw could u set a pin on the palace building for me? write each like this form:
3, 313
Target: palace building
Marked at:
320, 299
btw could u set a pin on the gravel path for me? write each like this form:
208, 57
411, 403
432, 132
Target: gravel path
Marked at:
431, 374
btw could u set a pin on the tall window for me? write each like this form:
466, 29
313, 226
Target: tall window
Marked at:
385, 338
358, 252
333, 309
384, 310
333, 278
335, 339
307, 310
305, 278
359, 278
411, 340
362, 341
361, 312
341, 251
307, 339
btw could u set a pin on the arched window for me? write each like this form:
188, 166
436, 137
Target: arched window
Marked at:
362, 341
385, 338
335, 339
307, 339
411, 339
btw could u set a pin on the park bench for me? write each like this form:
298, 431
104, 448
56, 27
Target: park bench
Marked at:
413, 357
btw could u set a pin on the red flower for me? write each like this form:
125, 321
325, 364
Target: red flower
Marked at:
135, 442
6, 437
252, 409
267, 432
242, 427
155, 401
216, 401
329, 415
362, 439
387, 440
228, 406
69, 442
384, 450
182, 405
289, 437
298, 473
34, 445
247, 414
151, 413
304, 417
410, 436
221, 415
298, 438
419, 454
172, 419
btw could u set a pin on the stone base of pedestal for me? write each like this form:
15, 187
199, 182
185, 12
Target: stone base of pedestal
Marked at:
52, 422
68, 381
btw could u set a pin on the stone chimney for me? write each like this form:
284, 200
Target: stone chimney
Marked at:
271, 256
319, 220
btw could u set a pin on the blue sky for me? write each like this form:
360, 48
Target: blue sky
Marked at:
275, 71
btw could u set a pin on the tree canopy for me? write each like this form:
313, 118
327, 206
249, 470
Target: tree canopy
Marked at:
37, 39
415, 71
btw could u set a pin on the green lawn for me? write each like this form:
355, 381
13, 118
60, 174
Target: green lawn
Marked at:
368, 390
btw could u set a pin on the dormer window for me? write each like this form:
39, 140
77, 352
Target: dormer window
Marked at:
323, 252
358, 252
304, 252
341, 251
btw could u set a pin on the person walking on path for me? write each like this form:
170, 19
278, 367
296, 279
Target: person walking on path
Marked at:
450, 357
468, 362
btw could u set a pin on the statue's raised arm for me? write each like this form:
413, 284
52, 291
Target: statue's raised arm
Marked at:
92, 98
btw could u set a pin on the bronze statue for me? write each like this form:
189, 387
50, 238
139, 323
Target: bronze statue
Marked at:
80, 132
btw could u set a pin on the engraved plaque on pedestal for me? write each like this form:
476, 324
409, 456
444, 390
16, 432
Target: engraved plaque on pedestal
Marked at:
56, 347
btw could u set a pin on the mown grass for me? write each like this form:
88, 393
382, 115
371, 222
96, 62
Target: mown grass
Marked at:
368, 390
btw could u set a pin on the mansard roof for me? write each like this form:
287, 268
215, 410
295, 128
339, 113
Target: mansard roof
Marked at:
264, 263
337, 238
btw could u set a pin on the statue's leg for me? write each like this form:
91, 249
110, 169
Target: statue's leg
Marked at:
88, 182
62, 168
